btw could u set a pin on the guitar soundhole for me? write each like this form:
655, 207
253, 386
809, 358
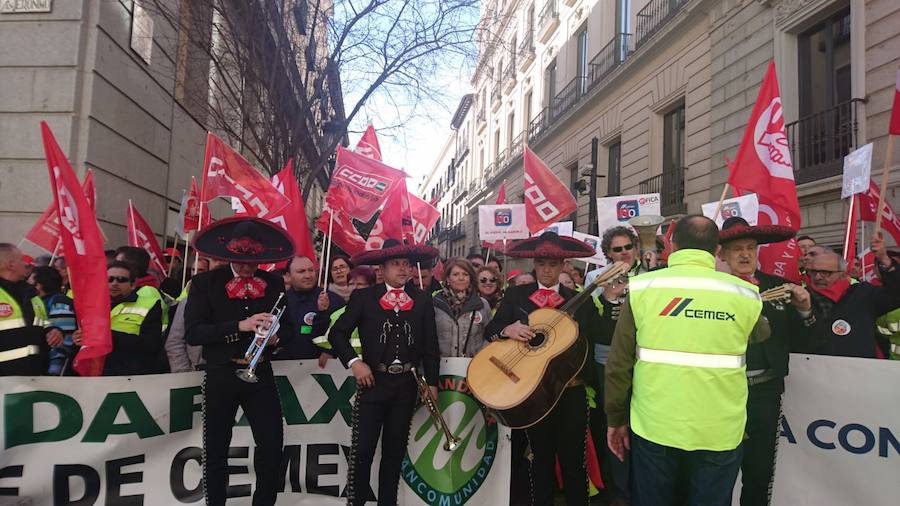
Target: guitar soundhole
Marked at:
538, 340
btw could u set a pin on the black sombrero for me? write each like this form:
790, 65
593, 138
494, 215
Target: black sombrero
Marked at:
392, 249
737, 228
550, 245
245, 240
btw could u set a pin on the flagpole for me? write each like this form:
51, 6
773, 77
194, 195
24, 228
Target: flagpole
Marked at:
487, 257
849, 226
55, 251
884, 181
326, 247
721, 201
199, 226
187, 243
131, 219
21, 242
174, 249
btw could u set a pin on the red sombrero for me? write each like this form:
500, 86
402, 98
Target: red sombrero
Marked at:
392, 249
737, 228
550, 245
244, 240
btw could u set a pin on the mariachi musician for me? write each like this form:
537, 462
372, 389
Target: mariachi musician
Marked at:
563, 430
397, 332
225, 310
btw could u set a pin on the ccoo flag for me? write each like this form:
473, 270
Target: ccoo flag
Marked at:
141, 235
547, 200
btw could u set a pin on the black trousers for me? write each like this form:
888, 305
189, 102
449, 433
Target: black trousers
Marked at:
384, 410
561, 433
223, 392
616, 474
758, 465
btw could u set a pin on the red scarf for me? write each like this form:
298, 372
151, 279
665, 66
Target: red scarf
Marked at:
835, 292
749, 279
545, 297
148, 280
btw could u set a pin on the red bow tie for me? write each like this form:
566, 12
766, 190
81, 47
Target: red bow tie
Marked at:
245, 288
546, 297
396, 299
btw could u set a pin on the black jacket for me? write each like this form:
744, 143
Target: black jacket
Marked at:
365, 313
309, 322
516, 306
211, 318
34, 365
136, 354
788, 331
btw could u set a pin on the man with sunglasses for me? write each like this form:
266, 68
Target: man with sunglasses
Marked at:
845, 313
136, 324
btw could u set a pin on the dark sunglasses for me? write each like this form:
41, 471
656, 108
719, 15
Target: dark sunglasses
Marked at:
119, 279
488, 280
619, 249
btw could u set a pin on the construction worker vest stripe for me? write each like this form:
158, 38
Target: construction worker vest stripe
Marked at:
11, 316
693, 324
889, 326
152, 294
322, 341
127, 317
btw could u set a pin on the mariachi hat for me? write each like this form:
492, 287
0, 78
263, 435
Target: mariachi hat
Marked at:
737, 228
244, 240
550, 245
392, 248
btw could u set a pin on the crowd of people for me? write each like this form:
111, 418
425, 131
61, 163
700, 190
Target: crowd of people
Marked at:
159, 326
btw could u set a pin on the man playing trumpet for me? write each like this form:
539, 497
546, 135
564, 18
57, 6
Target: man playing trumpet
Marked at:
787, 307
226, 310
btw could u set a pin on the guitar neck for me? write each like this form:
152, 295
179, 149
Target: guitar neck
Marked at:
580, 298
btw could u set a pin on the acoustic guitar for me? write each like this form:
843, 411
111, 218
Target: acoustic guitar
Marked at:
522, 381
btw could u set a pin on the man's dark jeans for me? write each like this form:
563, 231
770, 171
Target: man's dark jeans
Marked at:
662, 475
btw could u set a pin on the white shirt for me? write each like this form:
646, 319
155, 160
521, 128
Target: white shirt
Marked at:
555, 287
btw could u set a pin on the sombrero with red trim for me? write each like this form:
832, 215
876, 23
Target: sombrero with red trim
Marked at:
392, 248
737, 228
550, 245
245, 240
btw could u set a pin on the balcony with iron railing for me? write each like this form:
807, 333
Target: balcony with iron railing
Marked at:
819, 142
670, 186
548, 20
509, 74
539, 125
495, 96
568, 97
526, 50
462, 149
516, 147
457, 231
608, 59
480, 118
500, 160
653, 17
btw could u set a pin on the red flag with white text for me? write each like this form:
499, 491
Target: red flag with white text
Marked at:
368, 144
547, 200
227, 173
868, 202
343, 233
293, 218
82, 245
360, 185
424, 217
193, 211
141, 235
763, 166
501, 199
894, 127
394, 222
45, 231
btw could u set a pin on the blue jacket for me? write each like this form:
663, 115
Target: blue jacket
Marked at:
303, 308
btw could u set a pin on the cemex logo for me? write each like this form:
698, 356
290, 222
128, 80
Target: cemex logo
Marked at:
627, 209
679, 306
502, 217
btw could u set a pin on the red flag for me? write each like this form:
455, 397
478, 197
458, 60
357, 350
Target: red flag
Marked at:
547, 200
424, 217
226, 173
45, 231
141, 235
868, 202
83, 249
763, 166
368, 144
894, 128
293, 217
343, 233
501, 199
439, 270
850, 234
394, 221
869, 271
192, 211
360, 185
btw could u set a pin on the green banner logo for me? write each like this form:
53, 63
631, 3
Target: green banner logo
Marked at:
440, 477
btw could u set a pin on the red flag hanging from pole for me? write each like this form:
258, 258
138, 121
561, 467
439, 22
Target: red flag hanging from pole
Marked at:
547, 200
868, 202
141, 235
226, 173
360, 185
343, 233
424, 217
394, 221
189, 218
293, 217
894, 128
763, 166
83, 248
501, 199
45, 231
368, 144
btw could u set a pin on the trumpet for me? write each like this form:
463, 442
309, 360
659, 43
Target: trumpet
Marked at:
451, 442
259, 342
778, 296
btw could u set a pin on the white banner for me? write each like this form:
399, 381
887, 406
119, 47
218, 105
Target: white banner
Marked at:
616, 211
840, 433
745, 206
127, 440
857, 171
502, 221
560, 227
593, 241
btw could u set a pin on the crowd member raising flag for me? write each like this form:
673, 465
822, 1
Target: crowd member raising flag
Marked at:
763, 166
547, 200
140, 235
82, 244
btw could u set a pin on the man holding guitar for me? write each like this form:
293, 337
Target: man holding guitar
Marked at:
562, 431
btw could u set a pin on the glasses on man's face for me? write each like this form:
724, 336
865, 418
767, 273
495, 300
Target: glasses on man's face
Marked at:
619, 249
118, 279
820, 273
487, 280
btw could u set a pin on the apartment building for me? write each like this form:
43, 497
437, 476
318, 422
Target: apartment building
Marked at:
638, 96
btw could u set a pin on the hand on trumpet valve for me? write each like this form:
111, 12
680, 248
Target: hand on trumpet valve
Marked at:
255, 323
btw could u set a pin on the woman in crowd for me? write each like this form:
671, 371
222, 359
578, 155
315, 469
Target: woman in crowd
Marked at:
488, 285
565, 279
339, 276
460, 312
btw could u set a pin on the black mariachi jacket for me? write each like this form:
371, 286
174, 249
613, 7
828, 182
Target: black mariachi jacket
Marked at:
516, 306
788, 331
211, 318
365, 313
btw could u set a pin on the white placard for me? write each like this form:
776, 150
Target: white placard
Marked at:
564, 228
599, 258
616, 211
745, 206
502, 221
857, 171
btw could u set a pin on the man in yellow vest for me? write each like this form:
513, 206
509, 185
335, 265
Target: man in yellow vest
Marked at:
679, 347
24, 339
